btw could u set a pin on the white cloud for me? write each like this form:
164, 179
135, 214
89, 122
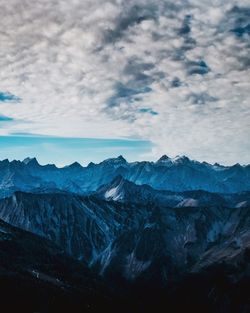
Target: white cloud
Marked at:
91, 68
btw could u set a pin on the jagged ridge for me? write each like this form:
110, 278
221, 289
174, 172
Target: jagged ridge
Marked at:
178, 174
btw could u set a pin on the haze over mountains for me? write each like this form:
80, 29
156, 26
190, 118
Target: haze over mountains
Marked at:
164, 226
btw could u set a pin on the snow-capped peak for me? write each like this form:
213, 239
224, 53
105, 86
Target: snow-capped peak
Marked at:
181, 159
165, 160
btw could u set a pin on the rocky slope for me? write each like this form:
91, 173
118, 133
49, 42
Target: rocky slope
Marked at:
37, 276
82, 226
131, 240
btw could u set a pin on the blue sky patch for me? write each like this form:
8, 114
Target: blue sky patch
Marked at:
147, 110
8, 97
4, 118
62, 151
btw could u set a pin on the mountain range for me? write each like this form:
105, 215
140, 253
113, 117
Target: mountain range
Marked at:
178, 174
167, 235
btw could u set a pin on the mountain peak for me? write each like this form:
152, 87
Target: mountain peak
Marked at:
181, 159
5, 162
30, 161
75, 165
119, 159
164, 158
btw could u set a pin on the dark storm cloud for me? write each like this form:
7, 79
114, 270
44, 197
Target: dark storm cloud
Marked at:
239, 18
138, 83
129, 17
201, 98
126, 93
135, 66
197, 67
175, 83
185, 28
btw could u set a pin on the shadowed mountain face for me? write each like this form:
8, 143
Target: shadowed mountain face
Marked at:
131, 240
179, 174
37, 276
152, 257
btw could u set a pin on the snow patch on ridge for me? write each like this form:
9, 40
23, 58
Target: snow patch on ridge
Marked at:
112, 194
189, 202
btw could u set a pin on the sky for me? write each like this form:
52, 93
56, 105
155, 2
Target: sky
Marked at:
84, 80
64, 151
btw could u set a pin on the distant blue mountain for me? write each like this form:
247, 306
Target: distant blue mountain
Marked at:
178, 175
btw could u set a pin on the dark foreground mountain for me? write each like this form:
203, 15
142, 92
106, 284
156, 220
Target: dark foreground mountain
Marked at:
178, 174
152, 257
37, 276
156, 259
130, 239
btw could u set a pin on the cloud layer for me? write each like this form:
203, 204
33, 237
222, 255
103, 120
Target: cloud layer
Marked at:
176, 73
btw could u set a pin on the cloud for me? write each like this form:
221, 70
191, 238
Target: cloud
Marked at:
238, 21
172, 72
201, 98
185, 28
130, 16
197, 67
